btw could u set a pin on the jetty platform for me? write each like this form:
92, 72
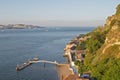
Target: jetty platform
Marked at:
25, 64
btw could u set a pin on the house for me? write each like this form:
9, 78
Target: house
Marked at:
70, 46
80, 54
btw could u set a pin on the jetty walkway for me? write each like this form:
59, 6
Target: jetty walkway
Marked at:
44, 61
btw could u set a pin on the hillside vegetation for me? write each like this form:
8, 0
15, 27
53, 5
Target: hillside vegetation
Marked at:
102, 57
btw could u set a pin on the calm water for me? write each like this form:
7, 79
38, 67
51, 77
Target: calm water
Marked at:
17, 46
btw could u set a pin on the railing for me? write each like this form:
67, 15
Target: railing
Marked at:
44, 61
20, 67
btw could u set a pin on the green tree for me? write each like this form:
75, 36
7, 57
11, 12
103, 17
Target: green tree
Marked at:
81, 46
93, 45
96, 41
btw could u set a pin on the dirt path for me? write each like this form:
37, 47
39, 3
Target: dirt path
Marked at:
117, 43
64, 70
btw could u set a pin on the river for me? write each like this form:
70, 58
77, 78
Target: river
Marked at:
20, 45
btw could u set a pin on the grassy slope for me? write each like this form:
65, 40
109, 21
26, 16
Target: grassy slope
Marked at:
103, 58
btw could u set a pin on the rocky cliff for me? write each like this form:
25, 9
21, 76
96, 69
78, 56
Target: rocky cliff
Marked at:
102, 57
111, 46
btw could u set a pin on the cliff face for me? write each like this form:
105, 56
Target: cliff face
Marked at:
103, 50
111, 47
113, 22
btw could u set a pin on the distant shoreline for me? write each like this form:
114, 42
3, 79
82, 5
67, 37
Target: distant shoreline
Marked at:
19, 26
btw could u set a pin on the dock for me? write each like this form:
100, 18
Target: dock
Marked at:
34, 60
24, 65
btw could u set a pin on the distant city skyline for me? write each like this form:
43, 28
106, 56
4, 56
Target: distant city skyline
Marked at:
57, 12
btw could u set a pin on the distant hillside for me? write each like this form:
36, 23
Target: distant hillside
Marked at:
18, 26
102, 57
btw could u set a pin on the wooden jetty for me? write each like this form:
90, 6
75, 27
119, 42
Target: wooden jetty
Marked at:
22, 66
34, 60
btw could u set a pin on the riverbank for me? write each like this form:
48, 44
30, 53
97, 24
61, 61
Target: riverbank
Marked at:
72, 54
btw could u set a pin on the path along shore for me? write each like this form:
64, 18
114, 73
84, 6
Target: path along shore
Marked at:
64, 70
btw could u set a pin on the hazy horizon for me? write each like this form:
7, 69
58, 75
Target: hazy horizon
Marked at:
56, 12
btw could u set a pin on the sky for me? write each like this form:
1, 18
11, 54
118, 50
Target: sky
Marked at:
57, 12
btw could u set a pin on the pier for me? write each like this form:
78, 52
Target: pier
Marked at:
34, 60
22, 66
63, 69
44, 61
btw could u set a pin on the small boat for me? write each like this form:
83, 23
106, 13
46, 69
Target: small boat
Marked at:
35, 59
